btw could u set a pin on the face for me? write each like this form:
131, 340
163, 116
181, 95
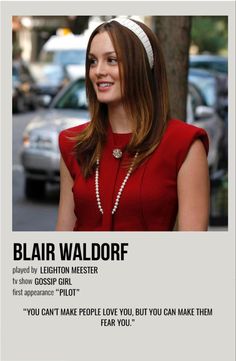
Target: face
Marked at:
104, 70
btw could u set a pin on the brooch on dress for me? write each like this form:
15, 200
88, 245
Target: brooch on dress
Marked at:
117, 153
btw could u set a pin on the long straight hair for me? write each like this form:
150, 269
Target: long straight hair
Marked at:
144, 96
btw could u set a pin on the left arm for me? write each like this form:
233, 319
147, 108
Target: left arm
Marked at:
193, 190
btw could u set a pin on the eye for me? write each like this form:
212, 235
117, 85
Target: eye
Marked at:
92, 61
112, 60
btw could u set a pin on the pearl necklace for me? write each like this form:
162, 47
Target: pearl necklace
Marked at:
116, 204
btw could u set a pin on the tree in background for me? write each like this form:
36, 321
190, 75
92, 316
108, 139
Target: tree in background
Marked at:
210, 34
174, 35
77, 24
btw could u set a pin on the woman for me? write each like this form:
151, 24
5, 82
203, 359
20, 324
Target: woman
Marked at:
131, 168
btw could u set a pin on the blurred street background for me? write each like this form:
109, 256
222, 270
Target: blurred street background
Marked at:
48, 95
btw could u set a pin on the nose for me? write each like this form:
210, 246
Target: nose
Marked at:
101, 68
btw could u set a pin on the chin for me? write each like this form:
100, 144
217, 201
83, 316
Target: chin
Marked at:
109, 100
103, 100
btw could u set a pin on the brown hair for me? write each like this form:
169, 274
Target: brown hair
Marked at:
144, 94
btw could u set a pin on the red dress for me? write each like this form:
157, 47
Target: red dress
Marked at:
149, 200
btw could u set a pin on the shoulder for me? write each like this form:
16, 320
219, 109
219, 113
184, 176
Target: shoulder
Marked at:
72, 132
67, 136
179, 126
181, 134
67, 141
179, 138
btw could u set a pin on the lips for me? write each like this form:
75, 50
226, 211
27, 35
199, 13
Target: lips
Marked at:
104, 85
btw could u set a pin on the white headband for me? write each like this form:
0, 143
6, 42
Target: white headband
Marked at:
138, 31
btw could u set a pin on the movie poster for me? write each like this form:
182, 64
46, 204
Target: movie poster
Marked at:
109, 296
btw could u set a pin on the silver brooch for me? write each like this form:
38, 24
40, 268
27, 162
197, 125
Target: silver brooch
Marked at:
117, 153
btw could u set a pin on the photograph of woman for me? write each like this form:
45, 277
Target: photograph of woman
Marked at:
132, 167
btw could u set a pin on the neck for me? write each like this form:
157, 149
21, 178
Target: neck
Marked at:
120, 123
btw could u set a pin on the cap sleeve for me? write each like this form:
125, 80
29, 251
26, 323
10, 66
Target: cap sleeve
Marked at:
181, 136
193, 135
66, 145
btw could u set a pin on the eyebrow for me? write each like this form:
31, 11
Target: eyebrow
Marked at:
107, 53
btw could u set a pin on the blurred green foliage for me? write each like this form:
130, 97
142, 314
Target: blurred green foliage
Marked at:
210, 34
